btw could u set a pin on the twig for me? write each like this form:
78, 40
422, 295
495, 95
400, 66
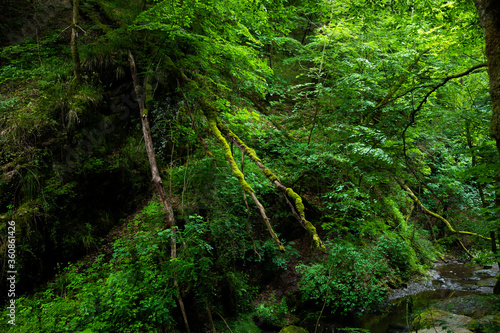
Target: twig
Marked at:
225, 322
320, 314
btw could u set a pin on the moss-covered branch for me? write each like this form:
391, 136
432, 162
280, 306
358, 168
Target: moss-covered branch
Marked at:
439, 217
311, 229
214, 126
297, 207
212, 122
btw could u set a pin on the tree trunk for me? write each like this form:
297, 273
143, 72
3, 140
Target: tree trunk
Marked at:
212, 122
143, 96
296, 206
489, 16
74, 44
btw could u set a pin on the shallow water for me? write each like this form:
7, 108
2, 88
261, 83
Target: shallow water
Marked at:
446, 280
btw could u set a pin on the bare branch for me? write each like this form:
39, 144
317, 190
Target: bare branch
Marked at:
429, 93
436, 87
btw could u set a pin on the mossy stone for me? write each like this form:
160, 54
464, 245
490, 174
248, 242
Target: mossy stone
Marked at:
293, 329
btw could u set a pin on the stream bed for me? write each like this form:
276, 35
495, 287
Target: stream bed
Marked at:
451, 288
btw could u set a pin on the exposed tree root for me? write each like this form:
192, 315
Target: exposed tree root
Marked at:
448, 225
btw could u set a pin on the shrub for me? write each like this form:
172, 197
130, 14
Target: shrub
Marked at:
273, 312
350, 280
398, 253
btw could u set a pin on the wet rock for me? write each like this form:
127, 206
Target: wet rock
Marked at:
486, 319
487, 282
445, 330
475, 306
484, 272
496, 289
439, 321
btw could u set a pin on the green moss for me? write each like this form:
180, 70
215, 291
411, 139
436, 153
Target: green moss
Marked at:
297, 200
249, 151
229, 156
311, 229
293, 329
270, 175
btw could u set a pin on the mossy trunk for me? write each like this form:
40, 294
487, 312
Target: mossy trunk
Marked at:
212, 122
489, 16
296, 205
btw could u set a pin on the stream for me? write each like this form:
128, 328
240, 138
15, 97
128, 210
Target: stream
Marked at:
449, 284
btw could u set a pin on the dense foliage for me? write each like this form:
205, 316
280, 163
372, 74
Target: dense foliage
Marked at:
352, 104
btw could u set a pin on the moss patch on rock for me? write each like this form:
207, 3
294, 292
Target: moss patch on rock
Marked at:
293, 329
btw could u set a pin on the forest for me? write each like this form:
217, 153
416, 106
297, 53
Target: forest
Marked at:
246, 165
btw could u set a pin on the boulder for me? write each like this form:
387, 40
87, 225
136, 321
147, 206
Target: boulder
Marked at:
475, 306
439, 321
487, 282
293, 329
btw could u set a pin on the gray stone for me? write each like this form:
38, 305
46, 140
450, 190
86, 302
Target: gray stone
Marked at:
487, 282
439, 321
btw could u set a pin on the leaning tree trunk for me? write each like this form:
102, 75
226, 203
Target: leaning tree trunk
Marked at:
142, 97
489, 16
212, 122
74, 44
216, 127
292, 198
